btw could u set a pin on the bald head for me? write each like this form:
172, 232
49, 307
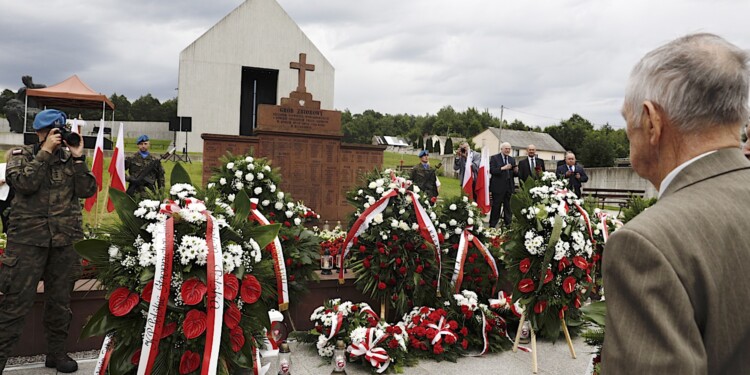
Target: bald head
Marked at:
531, 151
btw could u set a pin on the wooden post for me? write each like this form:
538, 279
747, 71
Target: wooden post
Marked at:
291, 321
567, 336
382, 310
518, 333
534, 366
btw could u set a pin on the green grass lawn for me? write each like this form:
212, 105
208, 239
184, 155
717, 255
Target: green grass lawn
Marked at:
450, 186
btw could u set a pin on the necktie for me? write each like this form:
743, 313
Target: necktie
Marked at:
505, 159
426, 166
570, 168
533, 164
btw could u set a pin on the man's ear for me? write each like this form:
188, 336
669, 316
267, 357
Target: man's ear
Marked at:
653, 121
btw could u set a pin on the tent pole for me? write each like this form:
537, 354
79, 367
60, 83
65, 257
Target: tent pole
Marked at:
25, 109
103, 112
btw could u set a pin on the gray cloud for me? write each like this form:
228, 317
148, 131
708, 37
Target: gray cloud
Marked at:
544, 60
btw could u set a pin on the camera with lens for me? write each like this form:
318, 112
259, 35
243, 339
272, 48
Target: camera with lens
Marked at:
72, 139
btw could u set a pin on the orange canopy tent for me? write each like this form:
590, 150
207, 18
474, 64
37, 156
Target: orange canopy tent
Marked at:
71, 92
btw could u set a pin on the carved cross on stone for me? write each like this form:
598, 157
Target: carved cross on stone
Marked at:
301, 67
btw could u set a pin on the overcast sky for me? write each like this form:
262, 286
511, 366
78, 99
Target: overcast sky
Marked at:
542, 60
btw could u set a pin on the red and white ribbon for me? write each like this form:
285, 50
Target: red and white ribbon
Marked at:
378, 357
580, 209
279, 266
336, 323
367, 309
104, 354
605, 231
157, 308
215, 298
443, 329
428, 232
361, 225
463, 249
485, 339
258, 367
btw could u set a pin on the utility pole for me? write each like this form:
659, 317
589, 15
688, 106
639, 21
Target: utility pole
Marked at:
500, 141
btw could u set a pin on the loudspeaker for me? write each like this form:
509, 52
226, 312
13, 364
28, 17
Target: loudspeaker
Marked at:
174, 124
187, 124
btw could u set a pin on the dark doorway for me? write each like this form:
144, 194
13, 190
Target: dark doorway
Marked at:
258, 87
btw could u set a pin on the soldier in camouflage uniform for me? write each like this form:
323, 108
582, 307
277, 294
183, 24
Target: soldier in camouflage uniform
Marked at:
137, 162
423, 175
45, 221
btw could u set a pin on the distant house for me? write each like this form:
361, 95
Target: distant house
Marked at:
455, 141
546, 147
385, 140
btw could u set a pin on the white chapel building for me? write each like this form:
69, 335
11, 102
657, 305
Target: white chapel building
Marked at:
242, 61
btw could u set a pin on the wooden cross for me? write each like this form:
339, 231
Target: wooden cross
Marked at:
301, 67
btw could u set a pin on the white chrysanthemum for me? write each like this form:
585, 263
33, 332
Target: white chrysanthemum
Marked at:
261, 175
379, 182
403, 226
280, 195
249, 159
288, 214
230, 165
192, 249
265, 202
238, 185
372, 185
297, 221
272, 188
140, 212
378, 219
232, 254
114, 253
394, 223
453, 222
249, 177
230, 197
457, 230
414, 226
266, 168
258, 190
279, 206
371, 200
416, 189
452, 207
470, 221
222, 181
238, 174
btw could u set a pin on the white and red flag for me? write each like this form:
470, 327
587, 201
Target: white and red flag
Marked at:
467, 185
482, 190
97, 167
117, 167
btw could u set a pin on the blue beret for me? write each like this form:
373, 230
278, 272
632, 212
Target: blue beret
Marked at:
143, 138
49, 117
423, 153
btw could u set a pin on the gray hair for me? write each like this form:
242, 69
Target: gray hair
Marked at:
505, 144
697, 80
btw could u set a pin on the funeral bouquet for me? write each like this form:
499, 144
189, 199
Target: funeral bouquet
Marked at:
549, 253
481, 324
474, 265
332, 240
374, 341
604, 225
298, 246
188, 284
432, 334
394, 244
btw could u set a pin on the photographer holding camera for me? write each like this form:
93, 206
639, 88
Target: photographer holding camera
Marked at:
463, 152
49, 179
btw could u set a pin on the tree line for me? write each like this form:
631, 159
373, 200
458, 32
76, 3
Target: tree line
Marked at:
594, 147
145, 108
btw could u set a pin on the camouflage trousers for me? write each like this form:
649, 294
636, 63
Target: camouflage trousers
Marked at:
22, 268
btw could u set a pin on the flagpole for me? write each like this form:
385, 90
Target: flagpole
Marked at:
106, 200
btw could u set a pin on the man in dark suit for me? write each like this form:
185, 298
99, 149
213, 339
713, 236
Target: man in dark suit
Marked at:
502, 169
575, 173
532, 166
676, 276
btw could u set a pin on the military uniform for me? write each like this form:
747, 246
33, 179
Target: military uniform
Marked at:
45, 221
425, 178
136, 163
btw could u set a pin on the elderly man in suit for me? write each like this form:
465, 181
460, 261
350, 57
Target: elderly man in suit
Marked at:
532, 166
676, 276
574, 172
502, 185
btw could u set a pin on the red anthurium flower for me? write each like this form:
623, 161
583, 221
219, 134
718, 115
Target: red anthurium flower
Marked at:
122, 301
237, 337
194, 324
250, 292
540, 306
580, 262
192, 291
189, 362
564, 262
231, 286
525, 265
577, 302
232, 316
526, 285
548, 276
569, 284
136, 358
561, 314
168, 329
147, 290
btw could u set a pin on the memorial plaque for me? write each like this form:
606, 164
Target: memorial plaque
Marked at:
304, 142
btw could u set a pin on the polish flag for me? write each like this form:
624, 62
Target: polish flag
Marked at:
483, 183
468, 182
97, 166
117, 167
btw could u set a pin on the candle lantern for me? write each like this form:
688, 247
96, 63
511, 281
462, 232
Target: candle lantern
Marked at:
285, 359
339, 358
326, 263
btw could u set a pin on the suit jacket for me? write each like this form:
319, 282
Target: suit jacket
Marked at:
573, 182
676, 276
524, 168
459, 165
501, 181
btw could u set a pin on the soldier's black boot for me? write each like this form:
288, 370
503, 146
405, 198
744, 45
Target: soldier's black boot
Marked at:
62, 362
